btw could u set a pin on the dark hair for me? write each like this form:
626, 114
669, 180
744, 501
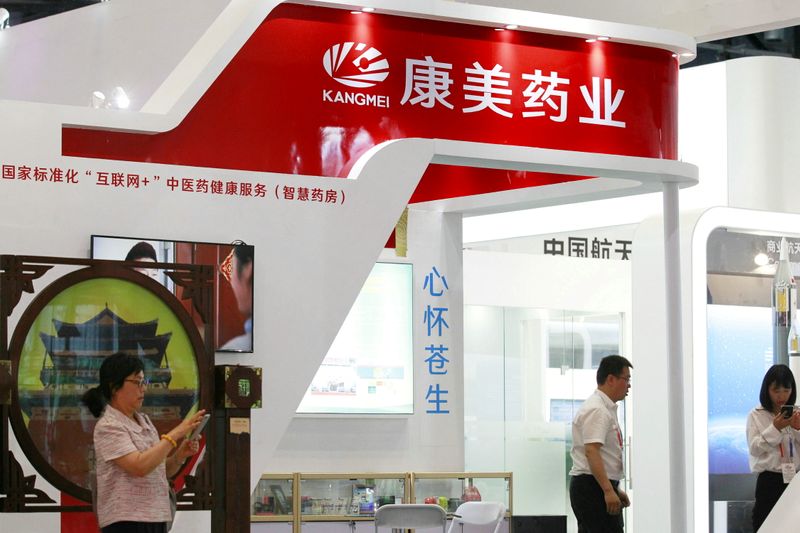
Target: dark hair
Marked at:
142, 250
611, 365
244, 255
781, 376
113, 371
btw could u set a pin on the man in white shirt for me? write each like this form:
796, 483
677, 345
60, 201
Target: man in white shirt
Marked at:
597, 465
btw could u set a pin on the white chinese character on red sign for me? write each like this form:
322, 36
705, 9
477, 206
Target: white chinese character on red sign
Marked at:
429, 80
543, 90
488, 84
607, 106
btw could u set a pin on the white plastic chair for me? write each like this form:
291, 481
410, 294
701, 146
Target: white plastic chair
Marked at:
410, 515
479, 514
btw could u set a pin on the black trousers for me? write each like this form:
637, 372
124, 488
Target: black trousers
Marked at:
135, 527
589, 506
769, 487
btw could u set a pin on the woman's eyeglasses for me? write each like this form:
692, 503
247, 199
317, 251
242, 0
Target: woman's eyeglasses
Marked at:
141, 383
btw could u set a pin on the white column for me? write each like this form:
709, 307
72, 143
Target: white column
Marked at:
677, 443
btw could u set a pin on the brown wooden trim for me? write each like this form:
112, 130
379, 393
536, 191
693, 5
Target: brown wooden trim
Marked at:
203, 349
231, 513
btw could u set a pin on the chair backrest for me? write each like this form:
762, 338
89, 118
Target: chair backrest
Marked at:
410, 515
479, 514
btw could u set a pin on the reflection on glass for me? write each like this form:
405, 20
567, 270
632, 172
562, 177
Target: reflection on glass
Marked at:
581, 341
349, 497
272, 496
450, 492
341, 147
62, 354
526, 373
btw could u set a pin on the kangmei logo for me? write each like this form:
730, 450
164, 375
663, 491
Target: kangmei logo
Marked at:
355, 65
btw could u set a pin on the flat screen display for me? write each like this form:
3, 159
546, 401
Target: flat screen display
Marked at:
739, 354
369, 368
233, 280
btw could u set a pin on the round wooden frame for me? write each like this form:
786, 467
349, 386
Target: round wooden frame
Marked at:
42, 299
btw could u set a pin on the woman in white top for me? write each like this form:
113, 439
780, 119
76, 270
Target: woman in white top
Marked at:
773, 440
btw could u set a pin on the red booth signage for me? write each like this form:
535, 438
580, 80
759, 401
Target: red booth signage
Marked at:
314, 88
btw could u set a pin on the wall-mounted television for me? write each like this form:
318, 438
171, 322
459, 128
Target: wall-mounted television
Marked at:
369, 368
233, 281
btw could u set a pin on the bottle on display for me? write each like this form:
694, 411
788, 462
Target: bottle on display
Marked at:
794, 349
784, 300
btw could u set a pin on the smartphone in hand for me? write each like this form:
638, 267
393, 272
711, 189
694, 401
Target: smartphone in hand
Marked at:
199, 429
787, 411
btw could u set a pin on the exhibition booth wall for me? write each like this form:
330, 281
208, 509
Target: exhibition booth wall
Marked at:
761, 117
313, 257
738, 120
36, 219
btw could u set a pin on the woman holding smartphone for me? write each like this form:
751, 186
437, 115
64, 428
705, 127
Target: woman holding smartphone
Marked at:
773, 439
132, 460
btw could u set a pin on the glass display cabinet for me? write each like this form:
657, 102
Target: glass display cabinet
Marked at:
272, 504
332, 497
449, 490
346, 503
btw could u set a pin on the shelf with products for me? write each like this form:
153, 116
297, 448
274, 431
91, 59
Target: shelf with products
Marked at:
451, 489
349, 497
347, 502
273, 498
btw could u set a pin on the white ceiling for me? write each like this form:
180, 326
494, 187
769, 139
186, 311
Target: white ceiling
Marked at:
705, 20
136, 44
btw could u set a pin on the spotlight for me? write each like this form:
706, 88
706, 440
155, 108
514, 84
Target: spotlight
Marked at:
119, 100
98, 100
511, 27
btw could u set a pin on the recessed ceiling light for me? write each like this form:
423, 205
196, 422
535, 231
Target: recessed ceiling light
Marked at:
591, 40
511, 26
603, 38
499, 29
356, 12
687, 54
367, 9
